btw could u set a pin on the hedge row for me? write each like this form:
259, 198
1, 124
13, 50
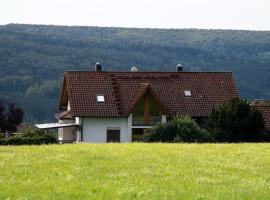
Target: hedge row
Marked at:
29, 139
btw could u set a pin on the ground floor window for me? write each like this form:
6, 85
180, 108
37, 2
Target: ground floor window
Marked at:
138, 134
113, 135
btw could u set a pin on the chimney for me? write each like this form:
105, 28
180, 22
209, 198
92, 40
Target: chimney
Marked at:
179, 68
98, 67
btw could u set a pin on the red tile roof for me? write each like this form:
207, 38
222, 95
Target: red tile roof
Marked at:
120, 89
265, 109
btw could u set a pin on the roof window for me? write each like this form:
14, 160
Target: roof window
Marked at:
100, 98
187, 93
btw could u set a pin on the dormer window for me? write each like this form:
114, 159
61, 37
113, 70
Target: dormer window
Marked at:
187, 93
100, 98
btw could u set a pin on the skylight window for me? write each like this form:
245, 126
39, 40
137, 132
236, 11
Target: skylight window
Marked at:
187, 93
100, 98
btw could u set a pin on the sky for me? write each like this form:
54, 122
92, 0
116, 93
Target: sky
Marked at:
209, 14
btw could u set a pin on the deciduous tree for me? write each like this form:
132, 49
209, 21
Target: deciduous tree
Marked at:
11, 119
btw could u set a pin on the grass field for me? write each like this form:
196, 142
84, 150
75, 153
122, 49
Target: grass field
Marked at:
136, 171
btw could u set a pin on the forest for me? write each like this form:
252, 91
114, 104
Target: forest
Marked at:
33, 58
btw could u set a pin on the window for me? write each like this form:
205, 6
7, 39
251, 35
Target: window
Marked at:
113, 135
100, 98
60, 133
187, 93
146, 112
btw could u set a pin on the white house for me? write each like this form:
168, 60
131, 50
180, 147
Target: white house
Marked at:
101, 106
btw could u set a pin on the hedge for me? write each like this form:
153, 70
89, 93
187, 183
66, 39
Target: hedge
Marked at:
29, 139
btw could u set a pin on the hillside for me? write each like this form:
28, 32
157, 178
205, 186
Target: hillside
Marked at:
34, 57
135, 171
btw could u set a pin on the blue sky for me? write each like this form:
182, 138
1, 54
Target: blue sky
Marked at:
210, 14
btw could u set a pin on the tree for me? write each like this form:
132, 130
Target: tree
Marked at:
236, 121
2, 117
11, 119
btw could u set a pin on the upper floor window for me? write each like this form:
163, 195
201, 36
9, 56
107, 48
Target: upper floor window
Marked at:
146, 112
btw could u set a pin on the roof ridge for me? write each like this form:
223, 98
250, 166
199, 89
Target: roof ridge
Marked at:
138, 72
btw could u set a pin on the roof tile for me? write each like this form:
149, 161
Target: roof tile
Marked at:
209, 90
265, 109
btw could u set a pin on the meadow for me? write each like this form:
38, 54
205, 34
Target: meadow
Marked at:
135, 171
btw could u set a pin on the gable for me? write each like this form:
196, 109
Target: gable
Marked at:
147, 111
143, 91
63, 101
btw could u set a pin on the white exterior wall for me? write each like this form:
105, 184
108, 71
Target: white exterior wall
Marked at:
95, 129
68, 105
66, 133
163, 119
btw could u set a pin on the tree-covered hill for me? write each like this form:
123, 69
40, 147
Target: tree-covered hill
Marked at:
34, 57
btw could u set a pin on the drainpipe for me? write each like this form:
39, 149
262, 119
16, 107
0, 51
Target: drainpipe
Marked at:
82, 129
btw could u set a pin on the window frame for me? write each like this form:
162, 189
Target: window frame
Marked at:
100, 96
113, 129
187, 93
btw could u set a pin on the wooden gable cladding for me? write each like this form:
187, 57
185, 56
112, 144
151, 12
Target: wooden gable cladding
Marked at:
144, 89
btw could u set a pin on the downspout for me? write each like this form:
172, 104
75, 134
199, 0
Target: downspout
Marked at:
82, 129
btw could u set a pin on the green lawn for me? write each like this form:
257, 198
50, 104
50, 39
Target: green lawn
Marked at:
136, 171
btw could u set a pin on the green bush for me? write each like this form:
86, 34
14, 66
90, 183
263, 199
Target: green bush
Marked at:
236, 121
30, 138
181, 129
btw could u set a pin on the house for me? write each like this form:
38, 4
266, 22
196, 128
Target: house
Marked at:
23, 127
264, 107
102, 106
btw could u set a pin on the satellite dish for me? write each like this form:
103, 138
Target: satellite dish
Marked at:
134, 69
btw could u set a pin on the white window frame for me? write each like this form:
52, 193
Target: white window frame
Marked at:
187, 93
100, 98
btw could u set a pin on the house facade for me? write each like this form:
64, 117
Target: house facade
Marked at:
101, 106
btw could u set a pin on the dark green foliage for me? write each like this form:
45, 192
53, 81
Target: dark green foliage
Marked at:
236, 121
181, 129
34, 57
11, 119
33, 137
14, 117
2, 117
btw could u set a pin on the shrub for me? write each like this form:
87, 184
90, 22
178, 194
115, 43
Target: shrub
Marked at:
236, 121
181, 129
30, 138
266, 135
